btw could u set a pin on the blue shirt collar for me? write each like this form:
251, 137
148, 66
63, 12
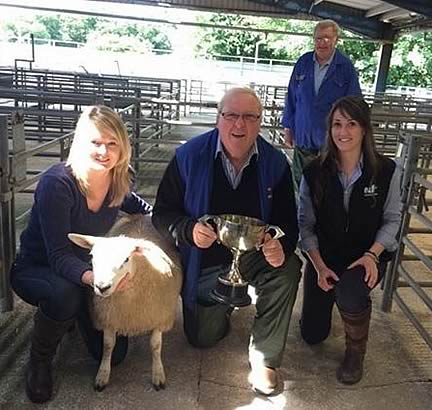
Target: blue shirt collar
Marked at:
328, 62
219, 148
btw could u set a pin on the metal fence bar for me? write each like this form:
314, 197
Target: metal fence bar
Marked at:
392, 276
415, 287
414, 187
417, 252
412, 318
7, 225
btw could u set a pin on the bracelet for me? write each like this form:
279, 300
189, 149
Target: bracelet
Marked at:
373, 255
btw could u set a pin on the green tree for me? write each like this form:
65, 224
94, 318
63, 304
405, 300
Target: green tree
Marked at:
23, 28
53, 26
78, 29
219, 41
364, 55
157, 38
211, 41
120, 36
133, 34
411, 62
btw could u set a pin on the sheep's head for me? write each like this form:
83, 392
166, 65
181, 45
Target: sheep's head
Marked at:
112, 259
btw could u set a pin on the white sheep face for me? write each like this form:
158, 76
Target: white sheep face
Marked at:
111, 263
111, 259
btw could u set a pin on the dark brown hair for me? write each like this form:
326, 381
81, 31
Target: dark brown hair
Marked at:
356, 108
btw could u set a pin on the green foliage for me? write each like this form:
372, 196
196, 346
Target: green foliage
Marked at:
129, 37
226, 42
411, 63
157, 38
119, 36
219, 41
364, 56
78, 29
23, 28
53, 26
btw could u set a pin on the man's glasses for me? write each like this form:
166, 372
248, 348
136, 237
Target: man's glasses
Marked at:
324, 40
246, 117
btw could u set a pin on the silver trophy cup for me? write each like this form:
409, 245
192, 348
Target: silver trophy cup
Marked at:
239, 234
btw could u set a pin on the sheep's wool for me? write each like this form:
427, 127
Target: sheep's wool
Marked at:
150, 302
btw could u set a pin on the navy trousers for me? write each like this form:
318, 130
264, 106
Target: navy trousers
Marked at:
351, 295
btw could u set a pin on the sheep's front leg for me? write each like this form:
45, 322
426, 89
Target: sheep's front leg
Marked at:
158, 372
103, 374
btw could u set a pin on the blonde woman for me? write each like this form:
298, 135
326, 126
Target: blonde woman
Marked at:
82, 195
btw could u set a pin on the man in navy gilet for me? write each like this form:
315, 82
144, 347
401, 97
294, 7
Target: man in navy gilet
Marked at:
231, 169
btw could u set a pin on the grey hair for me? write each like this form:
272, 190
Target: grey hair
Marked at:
323, 24
239, 90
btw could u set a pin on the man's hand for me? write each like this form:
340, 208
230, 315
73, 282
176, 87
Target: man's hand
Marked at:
203, 235
273, 251
289, 138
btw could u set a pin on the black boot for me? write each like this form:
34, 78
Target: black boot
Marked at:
45, 338
356, 333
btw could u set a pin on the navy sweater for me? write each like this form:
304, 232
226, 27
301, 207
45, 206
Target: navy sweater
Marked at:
60, 208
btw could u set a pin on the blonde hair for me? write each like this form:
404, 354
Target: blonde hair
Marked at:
106, 121
323, 24
239, 90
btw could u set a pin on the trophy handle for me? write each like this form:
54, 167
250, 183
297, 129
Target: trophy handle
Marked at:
205, 219
278, 231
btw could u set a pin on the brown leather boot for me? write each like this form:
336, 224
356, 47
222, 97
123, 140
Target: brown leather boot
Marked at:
356, 326
46, 336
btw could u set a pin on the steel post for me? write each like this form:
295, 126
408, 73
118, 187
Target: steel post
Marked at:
7, 244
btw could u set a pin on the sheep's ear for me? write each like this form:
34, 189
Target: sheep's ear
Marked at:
85, 241
138, 250
141, 246
155, 256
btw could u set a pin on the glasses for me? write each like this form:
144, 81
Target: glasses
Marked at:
324, 40
246, 117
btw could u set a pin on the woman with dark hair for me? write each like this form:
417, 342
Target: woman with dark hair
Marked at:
82, 195
349, 216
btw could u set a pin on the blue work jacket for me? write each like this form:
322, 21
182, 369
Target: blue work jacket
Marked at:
305, 112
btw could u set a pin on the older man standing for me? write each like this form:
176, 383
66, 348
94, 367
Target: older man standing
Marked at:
232, 169
319, 79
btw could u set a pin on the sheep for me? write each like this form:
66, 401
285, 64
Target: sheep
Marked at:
133, 248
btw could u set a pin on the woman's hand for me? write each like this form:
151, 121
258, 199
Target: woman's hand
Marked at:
370, 267
326, 278
88, 278
203, 235
273, 251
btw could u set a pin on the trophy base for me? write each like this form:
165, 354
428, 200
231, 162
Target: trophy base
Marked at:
231, 295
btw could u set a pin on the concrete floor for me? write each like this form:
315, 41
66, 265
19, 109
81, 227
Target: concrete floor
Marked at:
398, 370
